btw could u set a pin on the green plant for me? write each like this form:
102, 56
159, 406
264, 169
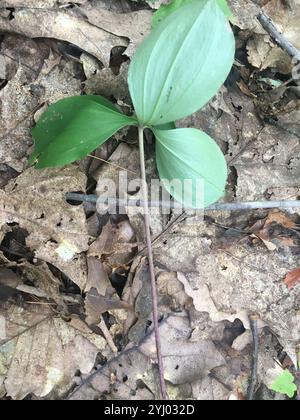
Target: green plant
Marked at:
177, 69
284, 384
166, 9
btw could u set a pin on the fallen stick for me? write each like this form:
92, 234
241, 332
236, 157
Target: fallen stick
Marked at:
253, 380
281, 41
234, 206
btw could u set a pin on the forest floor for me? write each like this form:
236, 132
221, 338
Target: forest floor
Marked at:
75, 300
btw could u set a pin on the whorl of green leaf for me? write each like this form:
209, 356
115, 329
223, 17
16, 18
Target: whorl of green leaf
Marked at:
176, 70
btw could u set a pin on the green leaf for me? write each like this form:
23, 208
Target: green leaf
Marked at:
166, 126
73, 127
181, 64
166, 9
188, 153
284, 384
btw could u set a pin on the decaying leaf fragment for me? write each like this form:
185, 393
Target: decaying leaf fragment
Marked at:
57, 24
184, 361
111, 250
99, 293
39, 352
57, 231
292, 278
134, 26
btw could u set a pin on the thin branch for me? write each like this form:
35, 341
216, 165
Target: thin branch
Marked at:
253, 381
234, 206
111, 164
280, 40
107, 335
151, 266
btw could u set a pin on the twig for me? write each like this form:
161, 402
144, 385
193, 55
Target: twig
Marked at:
111, 163
253, 381
107, 335
151, 266
280, 40
235, 206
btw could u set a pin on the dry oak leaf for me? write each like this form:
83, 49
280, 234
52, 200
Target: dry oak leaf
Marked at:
292, 278
40, 353
57, 24
184, 362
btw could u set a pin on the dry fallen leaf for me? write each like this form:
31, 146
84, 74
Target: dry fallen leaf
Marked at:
292, 278
134, 26
57, 230
204, 303
40, 353
281, 218
99, 291
61, 25
262, 50
185, 361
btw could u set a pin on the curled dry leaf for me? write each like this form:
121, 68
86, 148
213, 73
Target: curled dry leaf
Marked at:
107, 253
40, 353
262, 51
114, 246
99, 291
169, 284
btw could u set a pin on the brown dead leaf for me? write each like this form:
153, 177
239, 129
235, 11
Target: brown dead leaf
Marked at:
114, 246
268, 244
104, 82
292, 278
134, 25
281, 218
184, 360
42, 278
57, 24
99, 293
40, 353
204, 303
168, 284
263, 52
57, 230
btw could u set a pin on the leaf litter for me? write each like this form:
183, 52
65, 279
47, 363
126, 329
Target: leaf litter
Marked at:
74, 294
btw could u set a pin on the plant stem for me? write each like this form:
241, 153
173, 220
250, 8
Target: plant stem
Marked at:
254, 364
151, 266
